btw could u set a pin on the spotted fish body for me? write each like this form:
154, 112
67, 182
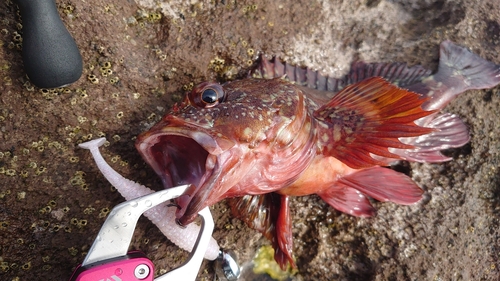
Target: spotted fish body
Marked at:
260, 140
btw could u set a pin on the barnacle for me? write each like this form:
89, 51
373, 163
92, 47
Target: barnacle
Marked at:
40, 170
4, 225
7, 81
88, 210
68, 9
114, 80
104, 212
4, 266
81, 223
152, 116
82, 119
45, 210
93, 79
26, 266
17, 37
10, 172
73, 251
74, 159
115, 158
21, 195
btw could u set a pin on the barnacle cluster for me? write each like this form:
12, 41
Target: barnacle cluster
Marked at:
143, 17
78, 179
249, 8
219, 66
50, 94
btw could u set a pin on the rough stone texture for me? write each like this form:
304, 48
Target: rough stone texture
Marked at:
53, 200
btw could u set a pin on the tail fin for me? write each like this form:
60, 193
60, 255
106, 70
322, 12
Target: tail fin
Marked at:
459, 70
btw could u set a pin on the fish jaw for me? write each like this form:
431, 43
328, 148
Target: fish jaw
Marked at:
184, 153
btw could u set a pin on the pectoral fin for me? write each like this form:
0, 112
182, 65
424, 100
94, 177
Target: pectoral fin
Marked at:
364, 120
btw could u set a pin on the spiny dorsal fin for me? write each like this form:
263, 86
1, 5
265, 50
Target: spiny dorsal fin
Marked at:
395, 72
366, 119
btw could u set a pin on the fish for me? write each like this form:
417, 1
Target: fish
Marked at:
290, 131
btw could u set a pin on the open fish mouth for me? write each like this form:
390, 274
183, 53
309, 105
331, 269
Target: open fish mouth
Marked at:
181, 157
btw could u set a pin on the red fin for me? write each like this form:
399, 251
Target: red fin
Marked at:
368, 118
284, 253
384, 184
450, 132
348, 200
269, 214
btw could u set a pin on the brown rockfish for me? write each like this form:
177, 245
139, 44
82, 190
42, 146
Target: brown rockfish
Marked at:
295, 132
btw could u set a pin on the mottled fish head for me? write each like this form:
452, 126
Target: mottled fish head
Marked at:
230, 140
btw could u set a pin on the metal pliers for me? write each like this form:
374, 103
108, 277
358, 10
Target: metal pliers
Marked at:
109, 259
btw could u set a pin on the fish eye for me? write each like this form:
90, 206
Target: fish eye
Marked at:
207, 95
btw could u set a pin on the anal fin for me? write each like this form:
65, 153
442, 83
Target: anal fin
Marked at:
384, 184
348, 200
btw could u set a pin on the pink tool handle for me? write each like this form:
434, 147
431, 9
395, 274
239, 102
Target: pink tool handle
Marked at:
132, 267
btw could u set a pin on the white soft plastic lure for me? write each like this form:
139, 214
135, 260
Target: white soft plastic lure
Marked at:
162, 216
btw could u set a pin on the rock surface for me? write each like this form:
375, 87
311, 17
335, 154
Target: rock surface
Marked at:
144, 54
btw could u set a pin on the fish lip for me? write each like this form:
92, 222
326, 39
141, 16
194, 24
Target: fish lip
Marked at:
184, 155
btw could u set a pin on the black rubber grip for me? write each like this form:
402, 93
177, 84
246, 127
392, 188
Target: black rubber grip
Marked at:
50, 55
